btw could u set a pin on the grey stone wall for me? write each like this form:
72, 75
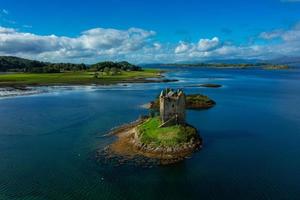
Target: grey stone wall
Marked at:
172, 106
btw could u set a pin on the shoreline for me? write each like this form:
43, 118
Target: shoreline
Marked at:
142, 80
6, 92
12, 90
81, 78
128, 148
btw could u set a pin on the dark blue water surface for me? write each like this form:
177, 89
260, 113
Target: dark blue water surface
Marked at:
251, 141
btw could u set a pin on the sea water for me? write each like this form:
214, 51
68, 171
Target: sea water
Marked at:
251, 140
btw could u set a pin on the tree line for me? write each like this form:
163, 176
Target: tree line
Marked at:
16, 64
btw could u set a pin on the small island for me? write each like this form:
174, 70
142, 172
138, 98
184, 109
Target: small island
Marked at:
207, 85
276, 67
192, 101
166, 138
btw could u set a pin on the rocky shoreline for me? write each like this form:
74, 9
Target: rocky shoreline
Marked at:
18, 91
136, 80
12, 90
128, 148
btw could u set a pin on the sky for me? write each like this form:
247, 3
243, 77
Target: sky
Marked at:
149, 31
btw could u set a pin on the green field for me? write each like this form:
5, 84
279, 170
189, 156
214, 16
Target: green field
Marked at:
71, 78
150, 133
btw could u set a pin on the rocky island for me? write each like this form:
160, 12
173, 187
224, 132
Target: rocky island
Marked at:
207, 85
192, 101
276, 67
165, 137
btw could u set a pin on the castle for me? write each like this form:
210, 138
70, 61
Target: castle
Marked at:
172, 107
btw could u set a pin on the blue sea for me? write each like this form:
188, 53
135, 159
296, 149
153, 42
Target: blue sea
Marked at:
251, 140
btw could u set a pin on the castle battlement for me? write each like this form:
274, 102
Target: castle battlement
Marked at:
172, 106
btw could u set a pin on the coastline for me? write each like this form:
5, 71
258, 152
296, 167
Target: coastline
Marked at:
80, 78
128, 148
14, 92
10, 89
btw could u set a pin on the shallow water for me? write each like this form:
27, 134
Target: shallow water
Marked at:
251, 140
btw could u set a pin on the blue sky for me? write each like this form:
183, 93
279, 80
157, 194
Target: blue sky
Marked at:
149, 31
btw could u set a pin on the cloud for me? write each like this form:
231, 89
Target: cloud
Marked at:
271, 35
6, 30
288, 36
203, 45
208, 44
91, 43
287, 44
182, 47
140, 46
5, 17
4, 11
157, 46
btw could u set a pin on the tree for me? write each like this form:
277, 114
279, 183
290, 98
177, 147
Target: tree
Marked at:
96, 75
106, 70
113, 71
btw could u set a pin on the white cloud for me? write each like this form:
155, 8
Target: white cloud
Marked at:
6, 30
292, 34
208, 44
271, 35
290, 41
157, 46
182, 47
203, 48
139, 46
4, 11
288, 45
91, 43
203, 45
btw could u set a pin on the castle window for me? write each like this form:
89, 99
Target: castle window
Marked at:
173, 106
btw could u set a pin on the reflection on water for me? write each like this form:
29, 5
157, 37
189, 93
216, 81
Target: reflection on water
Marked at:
251, 140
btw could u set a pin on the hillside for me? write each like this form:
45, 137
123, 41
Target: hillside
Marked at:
16, 64
11, 63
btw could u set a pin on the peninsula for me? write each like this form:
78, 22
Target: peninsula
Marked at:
165, 137
19, 72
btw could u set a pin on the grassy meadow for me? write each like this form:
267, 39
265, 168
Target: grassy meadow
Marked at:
150, 133
79, 77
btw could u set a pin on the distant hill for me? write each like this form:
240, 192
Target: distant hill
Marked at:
119, 65
286, 60
10, 63
291, 61
16, 64
236, 61
216, 64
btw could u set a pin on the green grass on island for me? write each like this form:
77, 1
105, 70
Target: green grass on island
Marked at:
78, 77
198, 101
151, 134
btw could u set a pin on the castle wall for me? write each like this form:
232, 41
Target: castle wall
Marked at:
172, 106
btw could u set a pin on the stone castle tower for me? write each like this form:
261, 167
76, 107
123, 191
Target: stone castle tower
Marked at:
172, 106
